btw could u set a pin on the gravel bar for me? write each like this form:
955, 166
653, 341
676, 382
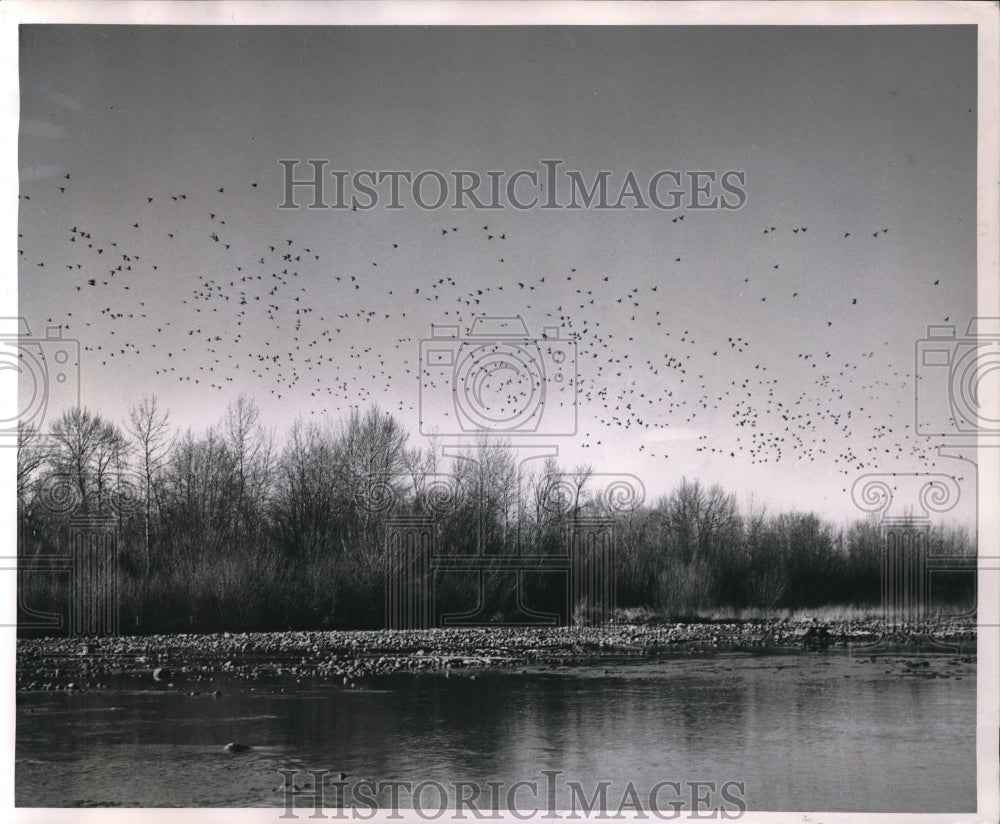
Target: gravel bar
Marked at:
184, 661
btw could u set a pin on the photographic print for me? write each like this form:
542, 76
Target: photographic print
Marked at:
502, 411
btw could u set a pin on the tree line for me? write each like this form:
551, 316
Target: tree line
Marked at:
224, 529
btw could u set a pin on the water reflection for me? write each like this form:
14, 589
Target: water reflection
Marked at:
803, 732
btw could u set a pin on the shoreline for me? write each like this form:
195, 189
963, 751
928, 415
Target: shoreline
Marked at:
186, 660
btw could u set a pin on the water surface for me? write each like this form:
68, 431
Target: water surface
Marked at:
801, 731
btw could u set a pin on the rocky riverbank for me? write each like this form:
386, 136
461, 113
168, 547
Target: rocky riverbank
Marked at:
201, 663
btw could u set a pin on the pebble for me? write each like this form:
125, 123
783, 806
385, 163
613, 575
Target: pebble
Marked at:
349, 656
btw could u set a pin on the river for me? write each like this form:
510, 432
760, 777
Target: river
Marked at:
823, 731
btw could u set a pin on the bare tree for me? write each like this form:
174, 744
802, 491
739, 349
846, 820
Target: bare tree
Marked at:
368, 453
33, 451
149, 426
766, 574
86, 451
420, 465
304, 502
110, 463
252, 450
547, 504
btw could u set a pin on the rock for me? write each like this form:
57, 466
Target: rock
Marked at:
817, 636
232, 746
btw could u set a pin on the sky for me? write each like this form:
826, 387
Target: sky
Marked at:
768, 348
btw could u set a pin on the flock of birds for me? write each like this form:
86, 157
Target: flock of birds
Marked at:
280, 316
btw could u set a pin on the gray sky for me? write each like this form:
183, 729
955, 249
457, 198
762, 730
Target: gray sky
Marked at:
774, 362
